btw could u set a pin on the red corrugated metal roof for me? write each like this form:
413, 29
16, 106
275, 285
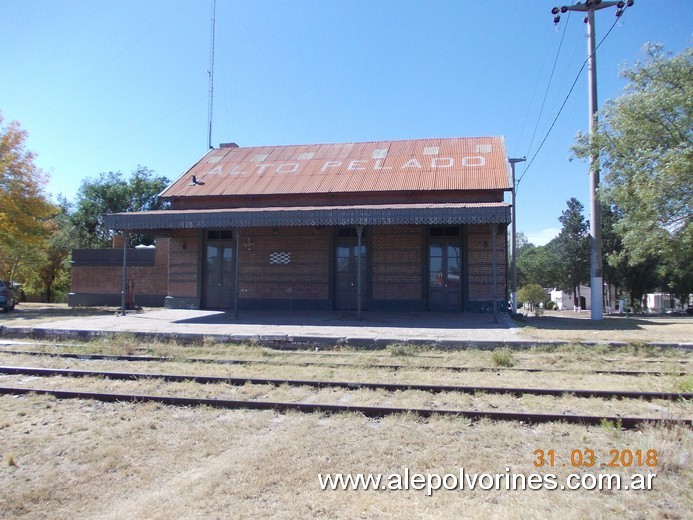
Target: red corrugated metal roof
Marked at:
470, 163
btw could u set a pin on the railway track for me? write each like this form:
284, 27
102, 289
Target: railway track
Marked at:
349, 385
394, 367
367, 411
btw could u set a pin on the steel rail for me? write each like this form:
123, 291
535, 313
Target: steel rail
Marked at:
164, 359
367, 411
350, 385
330, 352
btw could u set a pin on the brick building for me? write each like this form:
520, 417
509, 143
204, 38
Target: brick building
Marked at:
397, 225
97, 275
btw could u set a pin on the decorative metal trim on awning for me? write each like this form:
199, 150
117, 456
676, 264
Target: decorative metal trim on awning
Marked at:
391, 214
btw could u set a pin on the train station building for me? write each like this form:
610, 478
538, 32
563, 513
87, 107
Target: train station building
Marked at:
392, 225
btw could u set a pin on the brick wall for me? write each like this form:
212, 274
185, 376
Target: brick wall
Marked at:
480, 262
102, 284
183, 263
396, 262
305, 277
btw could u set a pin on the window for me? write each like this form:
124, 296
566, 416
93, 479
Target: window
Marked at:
445, 231
219, 234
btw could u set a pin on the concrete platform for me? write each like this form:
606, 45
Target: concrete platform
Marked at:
289, 328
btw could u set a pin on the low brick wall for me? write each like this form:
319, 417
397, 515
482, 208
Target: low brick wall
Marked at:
97, 276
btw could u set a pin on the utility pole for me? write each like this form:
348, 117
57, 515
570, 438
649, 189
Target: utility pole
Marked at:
513, 236
596, 276
210, 113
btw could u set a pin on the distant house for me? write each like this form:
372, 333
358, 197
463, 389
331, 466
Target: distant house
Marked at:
661, 303
400, 225
564, 300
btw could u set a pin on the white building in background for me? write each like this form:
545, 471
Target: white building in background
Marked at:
660, 303
564, 299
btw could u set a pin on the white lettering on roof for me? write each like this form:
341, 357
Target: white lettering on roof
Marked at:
353, 165
442, 162
330, 164
412, 163
473, 161
261, 169
484, 148
357, 165
306, 156
431, 150
260, 157
379, 153
288, 168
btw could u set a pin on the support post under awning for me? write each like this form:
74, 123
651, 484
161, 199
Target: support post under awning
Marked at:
494, 263
123, 286
359, 235
236, 262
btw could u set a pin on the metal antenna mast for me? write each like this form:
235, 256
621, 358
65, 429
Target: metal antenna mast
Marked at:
211, 74
596, 277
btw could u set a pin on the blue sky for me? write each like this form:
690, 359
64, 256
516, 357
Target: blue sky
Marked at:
106, 86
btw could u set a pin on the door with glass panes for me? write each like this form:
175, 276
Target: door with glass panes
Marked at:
217, 271
347, 270
445, 268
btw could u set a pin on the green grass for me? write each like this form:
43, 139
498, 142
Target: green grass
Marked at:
684, 384
502, 358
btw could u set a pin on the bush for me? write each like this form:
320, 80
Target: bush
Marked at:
503, 358
550, 305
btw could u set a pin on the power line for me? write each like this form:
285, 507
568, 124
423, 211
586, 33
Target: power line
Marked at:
572, 87
548, 87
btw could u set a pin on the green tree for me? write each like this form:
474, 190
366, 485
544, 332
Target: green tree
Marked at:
112, 193
50, 274
572, 248
645, 144
24, 207
537, 265
533, 294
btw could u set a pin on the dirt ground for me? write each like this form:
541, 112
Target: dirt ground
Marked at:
29, 313
64, 459
574, 327
81, 459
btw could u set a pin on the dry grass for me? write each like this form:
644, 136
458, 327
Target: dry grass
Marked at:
105, 460
67, 459
569, 326
413, 399
569, 365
